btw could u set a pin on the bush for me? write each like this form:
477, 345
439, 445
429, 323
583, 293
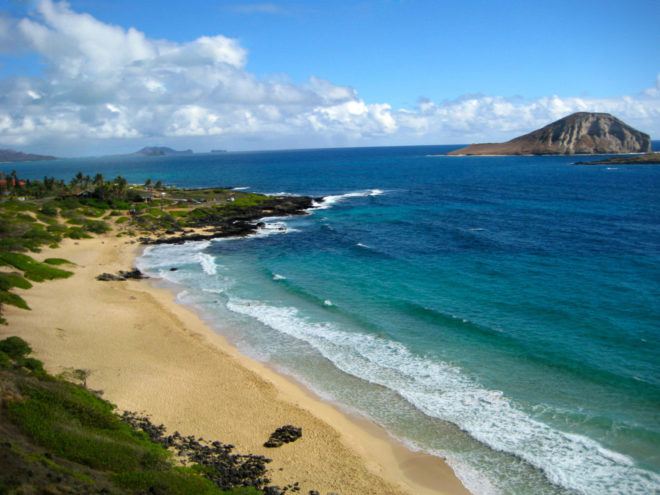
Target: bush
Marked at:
97, 226
69, 203
32, 269
10, 280
15, 347
57, 261
5, 363
7, 297
49, 208
77, 233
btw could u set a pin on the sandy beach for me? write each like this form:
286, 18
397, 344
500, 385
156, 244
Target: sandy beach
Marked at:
151, 355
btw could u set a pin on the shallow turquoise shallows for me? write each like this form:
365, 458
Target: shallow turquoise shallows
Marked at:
503, 312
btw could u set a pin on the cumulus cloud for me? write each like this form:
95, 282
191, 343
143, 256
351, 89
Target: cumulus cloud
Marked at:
104, 82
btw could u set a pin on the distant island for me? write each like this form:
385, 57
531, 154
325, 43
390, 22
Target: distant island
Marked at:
645, 159
7, 155
161, 151
581, 133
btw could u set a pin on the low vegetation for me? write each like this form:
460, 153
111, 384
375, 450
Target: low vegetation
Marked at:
34, 214
59, 434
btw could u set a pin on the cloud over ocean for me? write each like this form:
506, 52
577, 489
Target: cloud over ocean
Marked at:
99, 83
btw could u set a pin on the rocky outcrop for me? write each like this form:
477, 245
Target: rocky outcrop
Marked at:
234, 222
579, 133
285, 434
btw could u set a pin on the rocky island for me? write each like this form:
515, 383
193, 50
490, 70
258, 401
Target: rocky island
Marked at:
7, 156
161, 151
645, 159
581, 133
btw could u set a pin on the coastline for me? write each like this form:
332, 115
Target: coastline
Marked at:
149, 354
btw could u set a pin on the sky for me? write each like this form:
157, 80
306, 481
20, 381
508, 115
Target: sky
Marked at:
94, 77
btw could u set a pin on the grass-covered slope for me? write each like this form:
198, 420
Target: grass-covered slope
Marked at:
58, 437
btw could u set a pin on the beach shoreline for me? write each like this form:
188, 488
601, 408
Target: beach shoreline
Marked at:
152, 355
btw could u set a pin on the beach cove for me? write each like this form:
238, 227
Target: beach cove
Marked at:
149, 354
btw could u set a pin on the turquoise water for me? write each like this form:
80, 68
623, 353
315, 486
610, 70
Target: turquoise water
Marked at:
502, 312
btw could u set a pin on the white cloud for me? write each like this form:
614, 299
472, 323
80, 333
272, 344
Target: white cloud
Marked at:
104, 82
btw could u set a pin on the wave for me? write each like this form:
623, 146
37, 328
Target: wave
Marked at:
443, 391
329, 201
270, 228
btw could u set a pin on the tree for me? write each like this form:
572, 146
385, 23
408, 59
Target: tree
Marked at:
77, 180
119, 187
147, 183
98, 180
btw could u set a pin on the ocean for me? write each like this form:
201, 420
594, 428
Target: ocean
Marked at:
502, 312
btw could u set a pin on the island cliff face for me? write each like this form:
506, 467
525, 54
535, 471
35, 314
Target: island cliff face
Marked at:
581, 133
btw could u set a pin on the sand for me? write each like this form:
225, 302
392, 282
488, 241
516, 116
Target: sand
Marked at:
149, 354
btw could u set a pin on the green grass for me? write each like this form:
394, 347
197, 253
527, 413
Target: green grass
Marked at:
71, 423
58, 261
178, 481
77, 233
7, 297
11, 280
33, 270
77, 425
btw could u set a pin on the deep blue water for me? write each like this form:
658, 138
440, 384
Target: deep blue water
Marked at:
503, 312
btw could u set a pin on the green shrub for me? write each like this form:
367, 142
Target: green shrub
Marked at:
120, 205
15, 347
77, 233
24, 217
97, 226
177, 481
76, 220
7, 297
33, 365
5, 363
122, 220
49, 208
69, 203
10, 280
32, 269
57, 228
57, 261
95, 203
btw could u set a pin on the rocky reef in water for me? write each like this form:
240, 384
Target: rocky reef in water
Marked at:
581, 133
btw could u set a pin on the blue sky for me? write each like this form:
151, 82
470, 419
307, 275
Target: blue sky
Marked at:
104, 76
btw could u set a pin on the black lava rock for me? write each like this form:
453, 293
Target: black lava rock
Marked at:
285, 434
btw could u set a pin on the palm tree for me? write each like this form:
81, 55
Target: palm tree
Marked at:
98, 180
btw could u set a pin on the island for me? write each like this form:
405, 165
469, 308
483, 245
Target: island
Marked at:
7, 155
161, 151
581, 133
645, 159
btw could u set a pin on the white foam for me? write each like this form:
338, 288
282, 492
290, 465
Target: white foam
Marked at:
443, 391
278, 277
328, 302
207, 263
329, 201
165, 256
270, 228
